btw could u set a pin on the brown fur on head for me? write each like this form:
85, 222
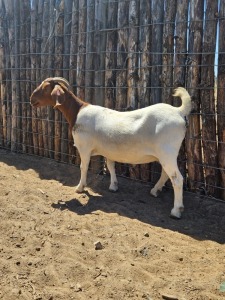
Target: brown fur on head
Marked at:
50, 92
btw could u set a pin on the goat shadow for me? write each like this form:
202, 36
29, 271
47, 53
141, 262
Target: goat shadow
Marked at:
203, 218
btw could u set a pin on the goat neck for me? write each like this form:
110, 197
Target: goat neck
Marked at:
71, 107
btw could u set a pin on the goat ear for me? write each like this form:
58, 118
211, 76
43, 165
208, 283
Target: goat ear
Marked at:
58, 96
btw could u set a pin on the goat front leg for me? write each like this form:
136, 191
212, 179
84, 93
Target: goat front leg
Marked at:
113, 180
85, 159
160, 184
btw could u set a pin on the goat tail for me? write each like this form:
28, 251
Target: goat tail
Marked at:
186, 106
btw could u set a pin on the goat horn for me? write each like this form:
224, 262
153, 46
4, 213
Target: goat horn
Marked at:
62, 80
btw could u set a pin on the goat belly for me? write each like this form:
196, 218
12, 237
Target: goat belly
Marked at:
124, 152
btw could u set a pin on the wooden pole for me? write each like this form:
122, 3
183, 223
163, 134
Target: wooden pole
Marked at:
156, 65
168, 50
51, 71
145, 57
220, 99
8, 91
180, 68
27, 9
58, 72
156, 49
33, 36
132, 64
99, 47
73, 48
90, 56
144, 67
38, 73
10, 28
111, 55
13, 33
209, 139
122, 54
73, 68
121, 74
99, 51
193, 144
180, 45
22, 58
132, 60
66, 67
44, 71
3, 102
81, 54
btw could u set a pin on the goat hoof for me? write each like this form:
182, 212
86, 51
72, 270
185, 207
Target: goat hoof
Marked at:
79, 190
175, 217
176, 214
154, 193
113, 190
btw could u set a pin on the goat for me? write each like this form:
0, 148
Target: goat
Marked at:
153, 133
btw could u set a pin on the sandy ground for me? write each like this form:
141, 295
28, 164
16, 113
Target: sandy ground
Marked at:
48, 238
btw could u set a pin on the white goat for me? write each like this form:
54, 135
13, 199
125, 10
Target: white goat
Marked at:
154, 133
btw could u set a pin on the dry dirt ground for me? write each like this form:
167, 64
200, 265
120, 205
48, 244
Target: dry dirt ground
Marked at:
48, 234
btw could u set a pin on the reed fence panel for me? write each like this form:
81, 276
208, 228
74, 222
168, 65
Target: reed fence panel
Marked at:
122, 55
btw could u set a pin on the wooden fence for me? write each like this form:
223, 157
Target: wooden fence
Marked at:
123, 55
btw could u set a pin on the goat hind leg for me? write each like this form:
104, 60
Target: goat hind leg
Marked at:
177, 181
159, 185
113, 180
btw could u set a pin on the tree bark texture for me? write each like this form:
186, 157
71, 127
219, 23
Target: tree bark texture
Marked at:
220, 99
111, 55
208, 110
179, 74
193, 144
59, 46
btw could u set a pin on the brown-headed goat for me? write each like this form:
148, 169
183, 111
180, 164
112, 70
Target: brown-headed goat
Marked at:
153, 133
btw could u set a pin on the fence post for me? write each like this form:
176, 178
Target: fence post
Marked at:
193, 143
3, 104
207, 96
13, 34
132, 66
44, 71
27, 79
51, 71
110, 55
156, 50
144, 83
39, 21
168, 51
73, 66
180, 67
81, 57
22, 50
156, 65
89, 76
59, 21
122, 55
220, 99
33, 58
